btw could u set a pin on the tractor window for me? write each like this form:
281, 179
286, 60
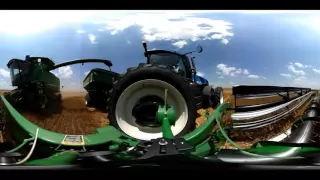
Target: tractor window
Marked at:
169, 59
164, 58
181, 67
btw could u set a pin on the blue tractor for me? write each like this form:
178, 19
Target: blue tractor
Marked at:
200, 80
166, 78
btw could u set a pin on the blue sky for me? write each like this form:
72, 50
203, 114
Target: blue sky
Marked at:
240, 47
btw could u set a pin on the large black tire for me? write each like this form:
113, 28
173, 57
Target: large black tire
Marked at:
153, 72
212, 97
207, 94
88, 101
217, 97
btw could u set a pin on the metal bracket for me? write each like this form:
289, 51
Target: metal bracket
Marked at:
163, 147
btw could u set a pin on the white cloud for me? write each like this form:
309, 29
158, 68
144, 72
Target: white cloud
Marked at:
180, 44
226, 70
286, 75
317, 71
92, 38
4, 73
155, 25
80, 31
224, 41
297, 77
246, 72
296, 71
63, 72
253, 76
86, 73
301, 78
301, 65
200, 74
5, 82
172, 26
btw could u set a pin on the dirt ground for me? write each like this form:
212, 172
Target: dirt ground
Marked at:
75, 118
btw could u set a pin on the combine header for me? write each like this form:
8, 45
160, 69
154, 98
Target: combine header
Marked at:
259, 115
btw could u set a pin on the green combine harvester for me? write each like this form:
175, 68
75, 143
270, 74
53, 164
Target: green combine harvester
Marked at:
37, 86
34, 81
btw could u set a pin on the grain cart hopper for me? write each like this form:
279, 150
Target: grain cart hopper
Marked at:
136, 95
98, 83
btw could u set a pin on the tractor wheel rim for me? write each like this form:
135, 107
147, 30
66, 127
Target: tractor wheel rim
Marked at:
221, 97
132, 94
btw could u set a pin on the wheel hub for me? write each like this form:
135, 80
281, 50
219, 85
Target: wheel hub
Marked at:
145, 111
136, 92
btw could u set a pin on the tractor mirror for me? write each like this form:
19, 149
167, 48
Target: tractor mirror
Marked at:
144, 44
199, 49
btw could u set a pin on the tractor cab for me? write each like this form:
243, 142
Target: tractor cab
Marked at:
178, 62
21, 70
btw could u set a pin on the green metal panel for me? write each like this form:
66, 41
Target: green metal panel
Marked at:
102, 136
53, 82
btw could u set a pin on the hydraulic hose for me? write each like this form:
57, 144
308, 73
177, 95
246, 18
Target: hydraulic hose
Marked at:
28, 155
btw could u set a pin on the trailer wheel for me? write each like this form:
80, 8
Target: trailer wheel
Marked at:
217, 97
212, 97
135, 98
88, 102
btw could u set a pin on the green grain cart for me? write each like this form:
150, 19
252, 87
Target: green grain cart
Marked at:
98, 83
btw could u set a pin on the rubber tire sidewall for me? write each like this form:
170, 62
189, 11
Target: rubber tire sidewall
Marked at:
159, 73
88, 99
217, 96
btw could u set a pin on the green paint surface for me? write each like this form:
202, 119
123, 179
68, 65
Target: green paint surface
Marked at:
104, 135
